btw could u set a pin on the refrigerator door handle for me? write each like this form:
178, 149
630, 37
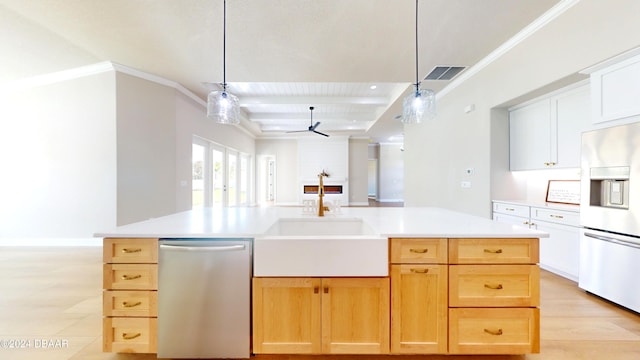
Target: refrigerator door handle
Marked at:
612, 240
202, 248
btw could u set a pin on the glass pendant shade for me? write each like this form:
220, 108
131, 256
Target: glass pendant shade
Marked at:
419, 105
223, 108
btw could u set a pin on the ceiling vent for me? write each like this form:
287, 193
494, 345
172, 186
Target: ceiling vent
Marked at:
444, 72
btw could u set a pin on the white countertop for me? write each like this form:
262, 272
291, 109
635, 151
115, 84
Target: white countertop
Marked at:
250, 222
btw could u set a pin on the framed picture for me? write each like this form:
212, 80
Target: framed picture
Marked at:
563, 192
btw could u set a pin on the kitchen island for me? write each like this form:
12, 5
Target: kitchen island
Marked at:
441, 282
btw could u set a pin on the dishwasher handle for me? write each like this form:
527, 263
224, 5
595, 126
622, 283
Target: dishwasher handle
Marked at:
203, 248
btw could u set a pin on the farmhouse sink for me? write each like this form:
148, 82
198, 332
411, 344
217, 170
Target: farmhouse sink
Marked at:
327, 246
320, 226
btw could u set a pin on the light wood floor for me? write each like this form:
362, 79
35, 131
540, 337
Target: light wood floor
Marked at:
52, 296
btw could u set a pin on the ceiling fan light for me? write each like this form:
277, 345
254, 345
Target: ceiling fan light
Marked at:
223, 107
418, 106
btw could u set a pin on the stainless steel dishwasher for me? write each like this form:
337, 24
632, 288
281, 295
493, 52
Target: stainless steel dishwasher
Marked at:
204, 298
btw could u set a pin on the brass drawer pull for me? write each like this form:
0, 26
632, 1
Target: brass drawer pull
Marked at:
557, 216
419, 251
494, 287
316, 290
129, 305
419, 271
493, 332
498, 251
326, 289
130, 251
129, 337
131, 277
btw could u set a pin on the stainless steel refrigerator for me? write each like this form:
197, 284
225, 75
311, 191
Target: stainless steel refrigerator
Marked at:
610, 214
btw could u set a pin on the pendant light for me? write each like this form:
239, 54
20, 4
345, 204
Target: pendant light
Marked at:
420, 104
223, 107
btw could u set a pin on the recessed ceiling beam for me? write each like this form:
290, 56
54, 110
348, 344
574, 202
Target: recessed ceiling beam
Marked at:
312, 100
263, 117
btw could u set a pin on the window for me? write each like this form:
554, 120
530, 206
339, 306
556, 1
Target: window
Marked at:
197, 175
220, 176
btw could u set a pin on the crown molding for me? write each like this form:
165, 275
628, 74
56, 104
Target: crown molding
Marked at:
56, 77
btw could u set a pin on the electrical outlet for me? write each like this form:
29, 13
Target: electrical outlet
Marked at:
465, 184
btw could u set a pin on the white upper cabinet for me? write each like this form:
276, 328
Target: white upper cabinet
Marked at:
530, 136
573, 116
616, 90
547, 133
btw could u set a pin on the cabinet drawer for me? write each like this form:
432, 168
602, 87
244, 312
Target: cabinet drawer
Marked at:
418, 251
140, 303
131, 251
556, 216
510, 219
493, 251
494, 331
494, 285
130, 277
129, 335
511, 209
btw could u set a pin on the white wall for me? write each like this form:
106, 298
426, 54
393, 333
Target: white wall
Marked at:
438, 152
58, 156
285, 152
391, 173
358, 172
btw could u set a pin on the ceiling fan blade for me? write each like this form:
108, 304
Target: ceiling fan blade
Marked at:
296, 131
312, 128
318, 132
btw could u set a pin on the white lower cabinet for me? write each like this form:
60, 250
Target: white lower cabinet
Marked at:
560, 252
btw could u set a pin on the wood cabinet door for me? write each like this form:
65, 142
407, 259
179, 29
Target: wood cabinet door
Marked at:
494, 285
130, 250
419, 309
286, 315
493, 251
494, 331
419, 250
355, 315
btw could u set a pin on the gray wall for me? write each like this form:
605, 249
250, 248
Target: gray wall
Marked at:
146, 142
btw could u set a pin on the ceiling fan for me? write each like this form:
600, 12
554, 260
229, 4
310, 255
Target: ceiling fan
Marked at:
312, 127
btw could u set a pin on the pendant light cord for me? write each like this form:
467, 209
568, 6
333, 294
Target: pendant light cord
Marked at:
417, 81
224, 47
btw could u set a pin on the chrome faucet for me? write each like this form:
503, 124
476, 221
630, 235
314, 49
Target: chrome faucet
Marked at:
321, 207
